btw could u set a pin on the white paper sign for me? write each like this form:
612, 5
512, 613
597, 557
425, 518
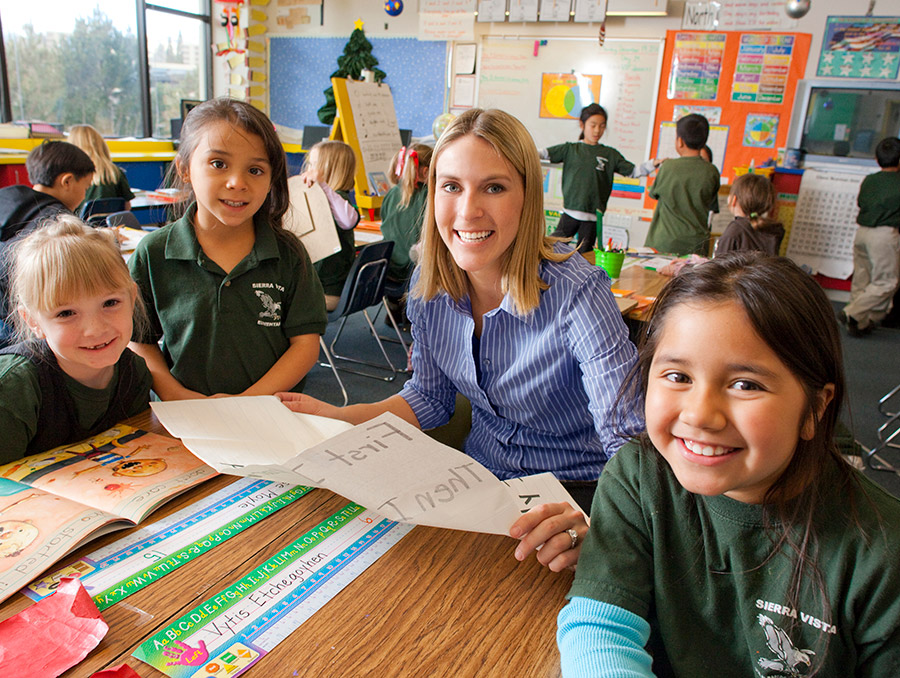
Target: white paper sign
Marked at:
701, 16
491, 10
310, 219
446, 26
555, 10
523, 10
590, 11
385, 464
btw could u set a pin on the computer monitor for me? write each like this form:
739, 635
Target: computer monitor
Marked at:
313, 134
840, 122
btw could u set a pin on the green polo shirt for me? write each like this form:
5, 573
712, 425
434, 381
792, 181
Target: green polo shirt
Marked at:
687, 189
701, 571
21, 400
222, 332
588, 173
879, 200
403, 225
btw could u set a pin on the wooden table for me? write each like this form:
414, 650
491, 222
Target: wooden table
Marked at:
440, 602
641, 281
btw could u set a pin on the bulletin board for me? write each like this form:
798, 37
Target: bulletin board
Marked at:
300, 70
742, 81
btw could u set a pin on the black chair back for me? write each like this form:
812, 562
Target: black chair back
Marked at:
124, 218
102, 206
364, 286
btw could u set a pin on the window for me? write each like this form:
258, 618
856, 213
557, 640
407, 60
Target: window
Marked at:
177, 58
71, 62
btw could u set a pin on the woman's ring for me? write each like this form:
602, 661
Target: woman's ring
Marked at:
573, 535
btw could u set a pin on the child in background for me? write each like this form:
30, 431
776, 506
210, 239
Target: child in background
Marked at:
876, 247
72, 375
60, 174
752, 197
230, 292
686, 188
109, 181
587, 180
332, 164
402, 212
733, 539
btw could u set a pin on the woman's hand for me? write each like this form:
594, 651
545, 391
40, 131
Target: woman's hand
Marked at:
297, 402
547, 527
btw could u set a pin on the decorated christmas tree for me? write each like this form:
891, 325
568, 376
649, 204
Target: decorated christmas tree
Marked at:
357, 56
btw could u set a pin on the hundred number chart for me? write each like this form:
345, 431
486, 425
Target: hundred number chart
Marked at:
824, 226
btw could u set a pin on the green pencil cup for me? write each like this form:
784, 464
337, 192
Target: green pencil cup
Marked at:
611, 262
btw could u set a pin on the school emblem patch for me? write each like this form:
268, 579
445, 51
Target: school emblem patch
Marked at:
271, 308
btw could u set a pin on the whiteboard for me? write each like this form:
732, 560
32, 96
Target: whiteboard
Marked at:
510, 79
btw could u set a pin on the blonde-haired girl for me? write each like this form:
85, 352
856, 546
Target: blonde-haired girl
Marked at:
109, 181
501, 313
332, 164
71, 375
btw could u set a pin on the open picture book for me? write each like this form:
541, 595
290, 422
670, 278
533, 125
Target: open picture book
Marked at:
52, 502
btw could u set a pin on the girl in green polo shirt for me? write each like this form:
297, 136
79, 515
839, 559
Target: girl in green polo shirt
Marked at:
402, 213
229, 291
733, 539
587, 181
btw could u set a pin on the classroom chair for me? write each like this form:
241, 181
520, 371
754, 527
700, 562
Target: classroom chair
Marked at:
94, 212
394, 290
364, 288
124, 218
888, 433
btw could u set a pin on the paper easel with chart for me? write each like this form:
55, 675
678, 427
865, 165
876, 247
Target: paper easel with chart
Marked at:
367, 121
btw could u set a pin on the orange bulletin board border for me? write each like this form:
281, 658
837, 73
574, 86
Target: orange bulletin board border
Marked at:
749, 58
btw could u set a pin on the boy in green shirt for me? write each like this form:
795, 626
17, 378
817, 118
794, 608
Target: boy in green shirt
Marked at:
876, 247
686, 188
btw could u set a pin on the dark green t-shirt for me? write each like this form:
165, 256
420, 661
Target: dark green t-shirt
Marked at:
696, 569
402, 225
119, 189
20, 402
687, 189
222, 332
879, 200
588, 171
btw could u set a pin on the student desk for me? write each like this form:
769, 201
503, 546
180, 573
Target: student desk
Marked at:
641, 281
440, 602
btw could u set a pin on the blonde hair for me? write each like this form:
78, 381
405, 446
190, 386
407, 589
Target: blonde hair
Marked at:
392, 168
89, 140
416, 156
335, 162
60, 261
521, 267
